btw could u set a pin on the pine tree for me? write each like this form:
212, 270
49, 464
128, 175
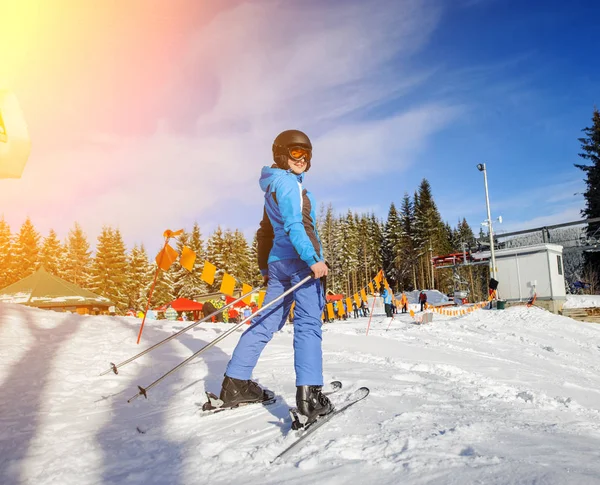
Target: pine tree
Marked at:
431, 236
76, 264
363, 275
590, 144
26, 251
140, 276
327, 232
255, 278
110, 268
392, 234
215, 254
196, 244
243, 270
6, 255
188, 284
407, 254
375, 243
51, 254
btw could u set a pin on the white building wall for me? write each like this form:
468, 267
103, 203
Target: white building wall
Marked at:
528, 270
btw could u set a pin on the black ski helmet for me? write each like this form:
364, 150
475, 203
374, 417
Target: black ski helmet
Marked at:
285, 140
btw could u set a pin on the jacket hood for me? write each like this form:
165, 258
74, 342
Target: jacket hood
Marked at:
269, 174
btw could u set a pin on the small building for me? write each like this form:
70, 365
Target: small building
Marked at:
44, 290
532, 270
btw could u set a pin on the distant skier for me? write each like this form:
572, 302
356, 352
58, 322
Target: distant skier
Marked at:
289, 249
387, 302
423, 299
404, 303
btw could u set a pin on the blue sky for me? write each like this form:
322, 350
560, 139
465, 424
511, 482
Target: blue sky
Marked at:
166, 115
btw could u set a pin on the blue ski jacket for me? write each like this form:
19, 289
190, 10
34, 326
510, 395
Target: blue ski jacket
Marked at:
387, 296
288, 229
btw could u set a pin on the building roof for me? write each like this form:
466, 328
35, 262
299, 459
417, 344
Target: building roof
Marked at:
44, 290
181, 305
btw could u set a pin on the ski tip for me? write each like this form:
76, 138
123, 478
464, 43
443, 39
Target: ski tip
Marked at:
336, 384
364, 390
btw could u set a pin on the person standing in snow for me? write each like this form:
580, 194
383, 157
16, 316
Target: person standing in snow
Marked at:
289, 250
404, 303
355, 309
387, 302
423, 299
364, 308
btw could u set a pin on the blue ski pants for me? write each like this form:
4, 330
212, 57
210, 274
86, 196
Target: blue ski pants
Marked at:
309, 298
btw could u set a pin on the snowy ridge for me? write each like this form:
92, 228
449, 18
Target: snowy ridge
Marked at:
493, 397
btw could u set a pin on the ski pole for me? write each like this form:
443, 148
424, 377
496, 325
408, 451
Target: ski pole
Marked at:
114, 367
143, 390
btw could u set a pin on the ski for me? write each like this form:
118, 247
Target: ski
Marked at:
307, 430
214, 405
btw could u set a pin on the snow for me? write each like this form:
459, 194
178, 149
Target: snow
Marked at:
582, 301
494, 397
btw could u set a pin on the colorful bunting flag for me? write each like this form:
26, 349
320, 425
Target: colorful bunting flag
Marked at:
188, 258
166, 257
208, 273
246, 289
227, 285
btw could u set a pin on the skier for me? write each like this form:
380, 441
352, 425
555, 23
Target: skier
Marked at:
423, 299
289, 249
387, 301
404, 303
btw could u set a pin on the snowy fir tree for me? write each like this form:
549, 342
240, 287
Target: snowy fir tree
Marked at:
196, 244
163, 290
407, 275
26, 251
255, 278
6, 256
76, 264
109, 274
140, 275
245, 265
185, 283
390, 250
327, 233
6, 267
215, 247
590, 145
51, 254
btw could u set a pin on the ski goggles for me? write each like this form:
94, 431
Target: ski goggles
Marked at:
300, 153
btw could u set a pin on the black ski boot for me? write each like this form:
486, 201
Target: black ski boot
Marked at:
312, 403
237, 391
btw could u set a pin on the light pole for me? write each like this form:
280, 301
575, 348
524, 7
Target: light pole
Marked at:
481, 168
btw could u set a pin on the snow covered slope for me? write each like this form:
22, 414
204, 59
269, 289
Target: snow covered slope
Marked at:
496, 397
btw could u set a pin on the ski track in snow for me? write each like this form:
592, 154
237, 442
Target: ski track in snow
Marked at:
495, 397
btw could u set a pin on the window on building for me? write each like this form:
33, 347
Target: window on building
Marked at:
559, 262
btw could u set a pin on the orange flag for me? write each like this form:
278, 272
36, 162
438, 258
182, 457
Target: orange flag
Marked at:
166, 257
227, 285
208, 272
261, 297
188, 258
246, 289
330, 311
